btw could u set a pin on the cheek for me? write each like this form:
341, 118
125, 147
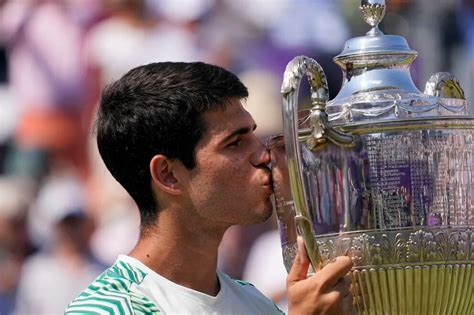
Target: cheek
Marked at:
239, 177
228, 179
236, 171
242, 187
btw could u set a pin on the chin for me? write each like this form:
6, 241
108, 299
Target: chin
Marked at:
266, 216
263, 214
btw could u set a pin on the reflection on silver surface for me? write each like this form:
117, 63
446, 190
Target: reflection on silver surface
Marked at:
391, 180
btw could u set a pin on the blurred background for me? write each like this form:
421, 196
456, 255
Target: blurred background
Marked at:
63, 218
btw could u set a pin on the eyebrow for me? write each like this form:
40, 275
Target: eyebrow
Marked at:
238, 131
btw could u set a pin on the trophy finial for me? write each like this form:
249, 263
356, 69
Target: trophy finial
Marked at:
373, 12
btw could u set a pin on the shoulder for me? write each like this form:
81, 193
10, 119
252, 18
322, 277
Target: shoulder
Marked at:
252, 296
112, 293
243, 286
243, 283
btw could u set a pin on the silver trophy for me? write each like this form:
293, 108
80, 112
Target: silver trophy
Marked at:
382, 173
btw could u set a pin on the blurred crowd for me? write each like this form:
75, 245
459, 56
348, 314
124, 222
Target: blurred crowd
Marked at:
63, 218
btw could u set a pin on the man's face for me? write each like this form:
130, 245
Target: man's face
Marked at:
231, 183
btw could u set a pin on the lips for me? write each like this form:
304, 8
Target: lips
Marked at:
268, 183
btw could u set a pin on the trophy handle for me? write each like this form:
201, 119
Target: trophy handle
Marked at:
294, 72
444, 84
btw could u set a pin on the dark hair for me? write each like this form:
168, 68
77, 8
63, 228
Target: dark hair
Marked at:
156, 109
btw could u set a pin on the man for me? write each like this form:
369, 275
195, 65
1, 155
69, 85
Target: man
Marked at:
177, 137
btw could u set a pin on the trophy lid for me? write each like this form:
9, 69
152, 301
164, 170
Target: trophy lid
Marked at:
375, 41
375, 44
377, 84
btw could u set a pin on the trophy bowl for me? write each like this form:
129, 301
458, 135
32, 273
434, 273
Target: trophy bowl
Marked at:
382, 173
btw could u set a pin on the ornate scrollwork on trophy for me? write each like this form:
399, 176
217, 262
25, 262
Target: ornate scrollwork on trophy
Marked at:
397, 105
289, 254
466, 245
400, 247
420, 247
411, 271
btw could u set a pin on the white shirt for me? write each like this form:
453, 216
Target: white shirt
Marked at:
132, 284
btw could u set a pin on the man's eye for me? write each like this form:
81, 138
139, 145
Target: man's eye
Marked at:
235, 143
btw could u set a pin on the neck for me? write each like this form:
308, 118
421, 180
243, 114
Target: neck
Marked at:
183, 252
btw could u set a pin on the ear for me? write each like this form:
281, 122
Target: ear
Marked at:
162, 174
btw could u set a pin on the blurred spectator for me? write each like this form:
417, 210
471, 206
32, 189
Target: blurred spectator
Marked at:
15, 196
64, 265
134, 34
59, 192
48, 81
51, 279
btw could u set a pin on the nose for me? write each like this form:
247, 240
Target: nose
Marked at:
261, 155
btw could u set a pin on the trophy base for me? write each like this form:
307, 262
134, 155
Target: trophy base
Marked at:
415, 290
406, 271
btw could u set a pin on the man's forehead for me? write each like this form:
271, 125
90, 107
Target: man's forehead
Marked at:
230, 117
